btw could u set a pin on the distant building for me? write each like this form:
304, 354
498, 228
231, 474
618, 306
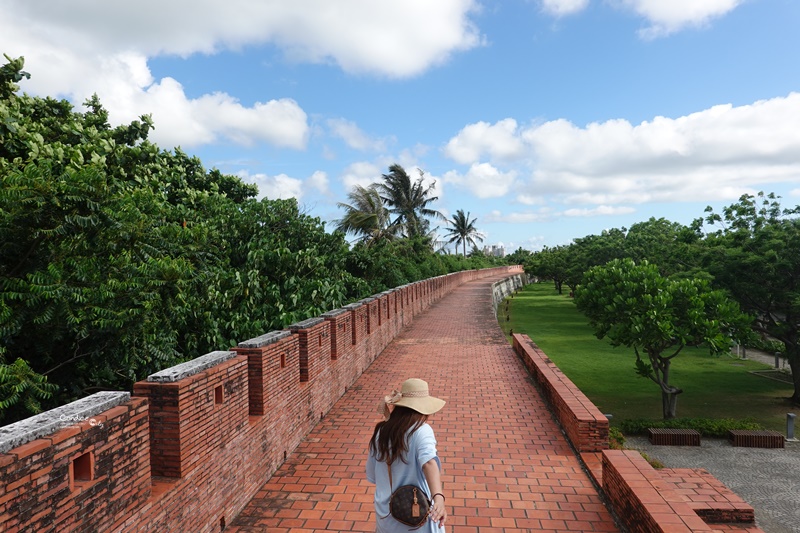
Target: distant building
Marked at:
496, 250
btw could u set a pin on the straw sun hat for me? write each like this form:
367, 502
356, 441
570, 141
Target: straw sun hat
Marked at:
414, 395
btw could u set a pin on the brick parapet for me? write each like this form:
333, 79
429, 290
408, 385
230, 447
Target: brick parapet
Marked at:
79, 476
315, 347
642, 499
585, 426
195, 414
374, 340
359, 313
407, 304
341, 327
273, 368
395, 313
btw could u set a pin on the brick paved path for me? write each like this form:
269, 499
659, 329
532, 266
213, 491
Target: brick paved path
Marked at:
507, 467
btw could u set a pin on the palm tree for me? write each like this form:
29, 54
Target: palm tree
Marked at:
409, 201
463, 231
366, 216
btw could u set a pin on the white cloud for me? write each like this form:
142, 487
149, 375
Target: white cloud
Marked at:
715, 154
499, 141
319, 181
218, 117
275, 187
73, 55
527, 217
666, 17
353, 136
127, 90
560, 8
483, 180
360, 173
531, 243
395, 39
604, 210
531, 199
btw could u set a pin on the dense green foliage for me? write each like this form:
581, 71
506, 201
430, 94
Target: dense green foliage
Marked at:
707, 427
755, 254
119, 258
390, 264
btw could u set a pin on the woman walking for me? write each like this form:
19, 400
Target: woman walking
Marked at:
402, 451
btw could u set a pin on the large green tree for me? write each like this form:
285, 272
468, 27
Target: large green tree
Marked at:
635, 306
753, 251
549, 263
589, 251
462, 230
518, 256
673, 247
118, 258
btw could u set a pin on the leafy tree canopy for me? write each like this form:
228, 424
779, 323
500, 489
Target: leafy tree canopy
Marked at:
635, 306
753, 251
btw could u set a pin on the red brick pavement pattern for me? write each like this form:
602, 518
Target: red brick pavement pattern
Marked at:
707, 496
507, 466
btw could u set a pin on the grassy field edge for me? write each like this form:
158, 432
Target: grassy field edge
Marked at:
716, 387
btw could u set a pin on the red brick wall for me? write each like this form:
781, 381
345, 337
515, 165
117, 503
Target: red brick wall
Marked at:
408, 306
585, 426
39, 493
641, 499
273, 361
374, 344
360, 314
637, 493
315, 354
194, 415
395, 313
343, 366
187, 454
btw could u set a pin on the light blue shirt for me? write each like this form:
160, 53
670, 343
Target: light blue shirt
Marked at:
421, 449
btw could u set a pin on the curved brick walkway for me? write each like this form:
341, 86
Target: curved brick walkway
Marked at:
507, 466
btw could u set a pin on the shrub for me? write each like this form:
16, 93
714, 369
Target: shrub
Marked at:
616, 440
765, 345
707, 427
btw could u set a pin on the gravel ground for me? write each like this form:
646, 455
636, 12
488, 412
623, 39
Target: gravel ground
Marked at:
767, 479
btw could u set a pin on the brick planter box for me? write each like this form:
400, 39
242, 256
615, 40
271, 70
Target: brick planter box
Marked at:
755, 438
673, 437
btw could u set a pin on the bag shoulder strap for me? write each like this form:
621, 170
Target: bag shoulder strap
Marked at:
389, 467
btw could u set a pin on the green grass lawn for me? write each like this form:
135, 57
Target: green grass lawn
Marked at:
713, 386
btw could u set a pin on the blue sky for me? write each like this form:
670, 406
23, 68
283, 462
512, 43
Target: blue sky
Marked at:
546, 120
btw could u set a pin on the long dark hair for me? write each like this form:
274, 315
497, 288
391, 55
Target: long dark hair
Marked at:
389, 438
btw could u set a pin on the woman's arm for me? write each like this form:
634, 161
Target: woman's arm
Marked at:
434, 479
